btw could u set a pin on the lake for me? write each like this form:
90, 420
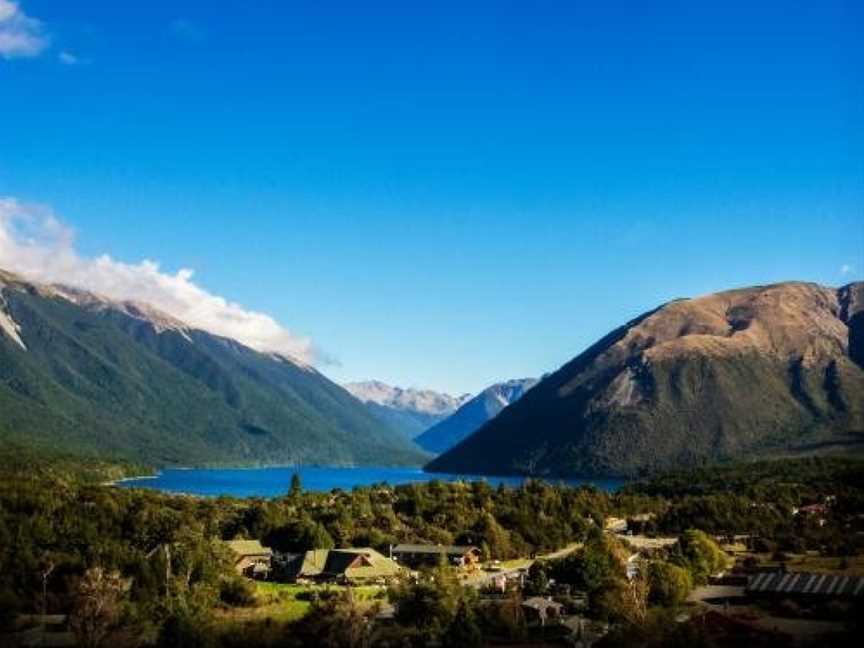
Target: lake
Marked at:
272, 482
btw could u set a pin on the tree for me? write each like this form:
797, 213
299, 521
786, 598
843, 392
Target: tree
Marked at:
184, 630
493, 536
430, 603
700, 554
336, 622
537, 581
670, 584
296, 486
96, 606
463, 631
622, 599
600, 560
300, 535
635, 607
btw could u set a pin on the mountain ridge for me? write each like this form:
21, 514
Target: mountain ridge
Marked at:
409, 411
99, 376
750, 371
472, 415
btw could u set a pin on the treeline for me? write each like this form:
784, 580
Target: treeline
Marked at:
764, 501
18, 462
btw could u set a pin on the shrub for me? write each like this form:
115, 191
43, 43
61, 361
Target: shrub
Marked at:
699, 553
670, 584
10, 606
237, 592
184, 631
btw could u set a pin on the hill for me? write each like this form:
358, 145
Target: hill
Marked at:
84, 374
408, 411
763, 371
472, 415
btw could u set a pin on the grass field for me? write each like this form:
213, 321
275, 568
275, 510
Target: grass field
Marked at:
286, 602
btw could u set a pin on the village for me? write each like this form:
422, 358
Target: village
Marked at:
751, 596
540, 563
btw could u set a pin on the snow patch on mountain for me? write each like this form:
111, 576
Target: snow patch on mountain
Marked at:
425, 401
9, 326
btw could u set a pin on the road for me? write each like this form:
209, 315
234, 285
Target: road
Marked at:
511, 568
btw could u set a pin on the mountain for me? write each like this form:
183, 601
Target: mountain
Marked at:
408, 411
82, 373
762, 371
472, 415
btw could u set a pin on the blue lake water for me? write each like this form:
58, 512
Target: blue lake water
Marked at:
272, 482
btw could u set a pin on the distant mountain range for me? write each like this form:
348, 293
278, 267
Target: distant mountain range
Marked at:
763, 371
473, 415
120, 379
408, 411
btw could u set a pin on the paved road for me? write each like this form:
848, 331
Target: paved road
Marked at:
484, 578
566, 551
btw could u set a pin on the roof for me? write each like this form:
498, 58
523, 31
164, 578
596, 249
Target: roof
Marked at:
352, 563
434, 549
249, 548
807, 583
540, 603
360, 563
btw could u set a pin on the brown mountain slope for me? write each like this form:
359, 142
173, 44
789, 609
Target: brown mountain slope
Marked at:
750, 372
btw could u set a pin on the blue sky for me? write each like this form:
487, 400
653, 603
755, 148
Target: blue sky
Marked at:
450, 194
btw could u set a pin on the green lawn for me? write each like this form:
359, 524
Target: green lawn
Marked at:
286, 602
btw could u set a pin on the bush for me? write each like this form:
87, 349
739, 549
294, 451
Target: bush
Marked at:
184, 631
237, 592
670, 584
700, 554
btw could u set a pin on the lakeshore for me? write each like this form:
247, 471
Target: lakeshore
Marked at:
274, 481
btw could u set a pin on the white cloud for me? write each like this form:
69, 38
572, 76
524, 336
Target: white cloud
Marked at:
36, 244
20, 35
846, 269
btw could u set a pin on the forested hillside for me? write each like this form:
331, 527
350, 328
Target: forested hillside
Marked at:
81, 373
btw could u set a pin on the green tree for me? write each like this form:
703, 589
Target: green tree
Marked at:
700, 554
537, 581
670, 584
429, 603
184, 630
296, 486
336, 622
463, 631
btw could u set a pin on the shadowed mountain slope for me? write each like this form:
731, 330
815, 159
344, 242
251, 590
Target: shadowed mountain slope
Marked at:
120, 379
472, 415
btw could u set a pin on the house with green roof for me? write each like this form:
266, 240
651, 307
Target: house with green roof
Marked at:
354, 565
419, 555
252, 559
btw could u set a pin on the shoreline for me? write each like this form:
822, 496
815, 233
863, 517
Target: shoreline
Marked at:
114, 482
316, 478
